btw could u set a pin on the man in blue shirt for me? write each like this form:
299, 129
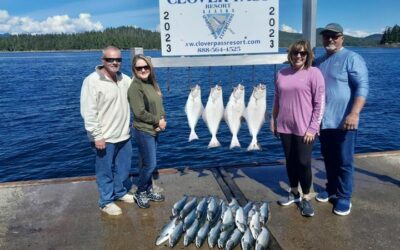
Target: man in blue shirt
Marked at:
346, 80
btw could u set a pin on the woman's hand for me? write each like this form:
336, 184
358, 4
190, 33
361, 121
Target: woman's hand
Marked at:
273, 128
308, 138
162, 125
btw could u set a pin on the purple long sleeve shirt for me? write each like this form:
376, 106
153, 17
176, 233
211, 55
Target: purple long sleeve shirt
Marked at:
300, 98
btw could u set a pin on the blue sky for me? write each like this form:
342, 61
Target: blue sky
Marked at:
358, 17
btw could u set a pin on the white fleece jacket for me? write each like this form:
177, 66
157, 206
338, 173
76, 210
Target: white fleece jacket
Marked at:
105, 107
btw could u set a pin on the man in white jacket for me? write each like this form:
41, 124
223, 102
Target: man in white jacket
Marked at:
105, 111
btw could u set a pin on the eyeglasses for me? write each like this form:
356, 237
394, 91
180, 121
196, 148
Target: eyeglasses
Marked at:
329, 36
302, 53
110, 60
140, 68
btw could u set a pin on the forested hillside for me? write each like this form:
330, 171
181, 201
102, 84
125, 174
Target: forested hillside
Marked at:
129, 37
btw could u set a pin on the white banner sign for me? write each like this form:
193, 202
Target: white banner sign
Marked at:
216, 27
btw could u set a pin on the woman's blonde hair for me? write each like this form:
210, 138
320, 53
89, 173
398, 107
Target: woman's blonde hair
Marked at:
297, 46
152, 76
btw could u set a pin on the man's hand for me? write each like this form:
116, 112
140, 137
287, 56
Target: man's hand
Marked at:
100, 144
351, 121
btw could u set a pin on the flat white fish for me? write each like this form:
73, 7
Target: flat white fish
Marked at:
213, 113
234, 112
193, 109
255, 114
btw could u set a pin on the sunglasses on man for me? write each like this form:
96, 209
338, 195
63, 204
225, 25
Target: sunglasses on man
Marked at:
333, 36
111, 60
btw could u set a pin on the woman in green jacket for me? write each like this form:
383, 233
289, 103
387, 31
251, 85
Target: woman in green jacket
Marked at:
145, 100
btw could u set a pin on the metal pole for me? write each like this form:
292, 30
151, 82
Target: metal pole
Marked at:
309, 21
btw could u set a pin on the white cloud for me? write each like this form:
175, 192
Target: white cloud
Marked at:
289, 29
3, 15
53, 24
356, 33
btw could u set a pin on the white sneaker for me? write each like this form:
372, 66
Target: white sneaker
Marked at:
128, 198
111, 209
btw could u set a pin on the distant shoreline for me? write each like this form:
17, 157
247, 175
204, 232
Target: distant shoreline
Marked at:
393, 46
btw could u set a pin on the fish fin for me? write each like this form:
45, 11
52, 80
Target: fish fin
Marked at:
254, 146
193, 136
214, 143
234, 142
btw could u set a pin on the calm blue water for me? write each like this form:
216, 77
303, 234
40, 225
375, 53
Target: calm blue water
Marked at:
42, 134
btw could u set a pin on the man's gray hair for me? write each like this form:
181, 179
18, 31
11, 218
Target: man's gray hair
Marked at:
110, 47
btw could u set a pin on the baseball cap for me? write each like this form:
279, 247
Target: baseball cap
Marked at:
332, 27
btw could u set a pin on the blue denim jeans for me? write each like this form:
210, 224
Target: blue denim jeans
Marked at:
147, 155
112, 169
337, 147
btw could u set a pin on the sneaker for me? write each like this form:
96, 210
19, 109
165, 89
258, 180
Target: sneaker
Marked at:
290, 199
342, 207
154, 196
307, 209
128, 198
324, 196
141, 199
111, 209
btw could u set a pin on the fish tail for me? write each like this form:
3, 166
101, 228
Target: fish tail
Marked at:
253, 145
214, 142
193, 135
234, 142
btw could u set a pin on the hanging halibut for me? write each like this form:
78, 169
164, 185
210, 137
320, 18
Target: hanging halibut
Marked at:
234, 112
255, 114
193, 109
213, 114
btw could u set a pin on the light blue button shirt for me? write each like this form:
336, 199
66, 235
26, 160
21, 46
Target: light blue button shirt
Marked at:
346, 77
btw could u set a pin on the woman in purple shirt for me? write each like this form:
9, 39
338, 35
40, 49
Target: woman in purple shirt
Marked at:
296, 118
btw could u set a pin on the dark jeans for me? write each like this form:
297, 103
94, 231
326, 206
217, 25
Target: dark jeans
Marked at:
298, 161
337, 147
147, 155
